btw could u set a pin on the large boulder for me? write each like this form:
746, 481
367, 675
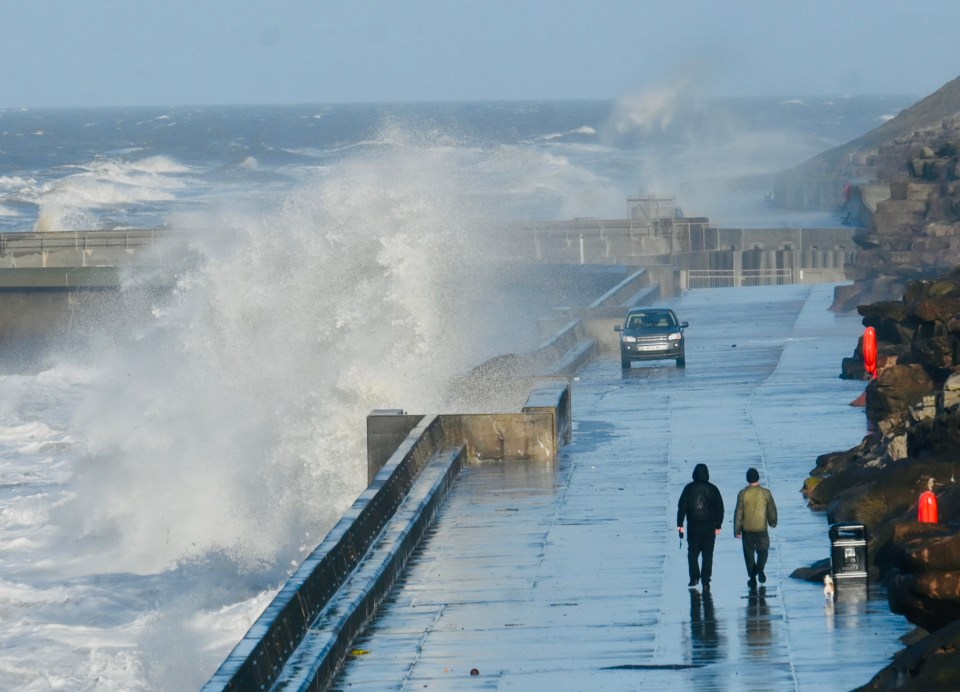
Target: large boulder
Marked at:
926, 547
930, 664
897, 388
936, 353
849, 297
928, 599
950, 393
871, 496
885, 317
881, 493
936, 308
941, 435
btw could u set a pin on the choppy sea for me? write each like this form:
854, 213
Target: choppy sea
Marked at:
156, 492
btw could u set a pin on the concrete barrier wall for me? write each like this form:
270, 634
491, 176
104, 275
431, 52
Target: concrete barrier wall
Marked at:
622, 242
258, 659
561, 355
535, 433
305, 632
556, 401
326, 645
504, 436
566, 352
623, 293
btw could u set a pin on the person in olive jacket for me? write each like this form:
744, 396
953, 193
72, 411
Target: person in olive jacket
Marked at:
702, 506
755, 511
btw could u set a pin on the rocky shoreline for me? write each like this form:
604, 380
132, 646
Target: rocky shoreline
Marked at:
906, 285
913, 407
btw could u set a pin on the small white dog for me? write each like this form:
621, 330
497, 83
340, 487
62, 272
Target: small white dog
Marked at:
828, 587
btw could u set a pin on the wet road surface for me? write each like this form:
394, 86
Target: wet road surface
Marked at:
570, 576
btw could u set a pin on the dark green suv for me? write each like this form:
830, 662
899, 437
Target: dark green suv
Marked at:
651, 334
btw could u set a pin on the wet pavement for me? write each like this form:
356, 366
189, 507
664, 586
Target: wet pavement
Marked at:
570, 576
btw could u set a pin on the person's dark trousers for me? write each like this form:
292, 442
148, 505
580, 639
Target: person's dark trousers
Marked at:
700, 541
756, 546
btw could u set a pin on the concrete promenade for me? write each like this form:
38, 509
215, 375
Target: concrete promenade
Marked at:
569, 575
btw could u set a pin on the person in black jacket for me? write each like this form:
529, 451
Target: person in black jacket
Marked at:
702, 506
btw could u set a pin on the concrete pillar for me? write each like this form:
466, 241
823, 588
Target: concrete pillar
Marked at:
386, 429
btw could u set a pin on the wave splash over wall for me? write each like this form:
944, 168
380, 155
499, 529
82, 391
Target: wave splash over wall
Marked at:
220, 439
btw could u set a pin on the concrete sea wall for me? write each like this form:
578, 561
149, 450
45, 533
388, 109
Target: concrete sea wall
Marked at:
303, 636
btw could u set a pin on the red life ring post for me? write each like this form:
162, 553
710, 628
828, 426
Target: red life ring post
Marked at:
870, 351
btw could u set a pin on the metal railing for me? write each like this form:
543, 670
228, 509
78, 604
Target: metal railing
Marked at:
26, 243
734, 278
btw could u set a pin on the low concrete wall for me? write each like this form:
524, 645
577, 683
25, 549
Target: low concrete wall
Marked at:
325, 646
627, 291
561, 355
503, 436
304, 634
258, 659
566, 352
535, 433
580, 333
557, 402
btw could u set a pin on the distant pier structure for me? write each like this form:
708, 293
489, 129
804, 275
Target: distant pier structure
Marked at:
64, 282
59, 285
657, 233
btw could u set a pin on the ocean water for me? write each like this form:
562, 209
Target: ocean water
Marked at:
156, 490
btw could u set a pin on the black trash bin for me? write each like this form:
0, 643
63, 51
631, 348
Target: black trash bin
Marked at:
848, 551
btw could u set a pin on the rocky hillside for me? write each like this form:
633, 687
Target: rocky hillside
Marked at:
878, 155
901, 184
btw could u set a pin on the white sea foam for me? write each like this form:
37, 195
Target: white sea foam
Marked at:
15, 182
583, 130
157, 165
70, 203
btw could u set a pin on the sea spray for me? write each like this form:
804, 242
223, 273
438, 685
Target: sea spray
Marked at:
223, 436
234, 421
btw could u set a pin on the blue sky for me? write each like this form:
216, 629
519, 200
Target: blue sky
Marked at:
178, 52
